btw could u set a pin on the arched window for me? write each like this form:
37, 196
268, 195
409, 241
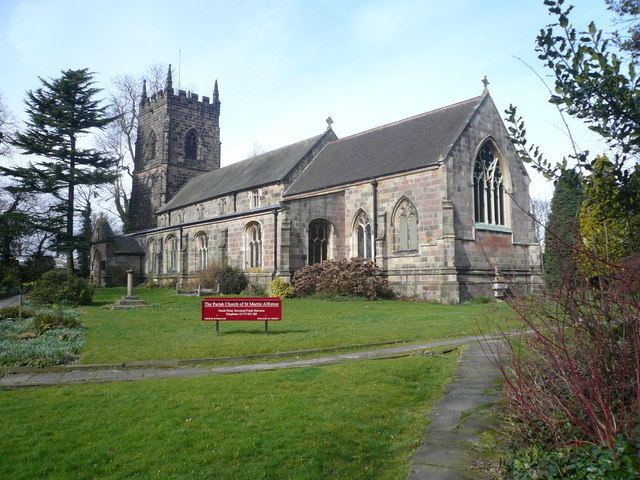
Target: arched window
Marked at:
191, 145
363, 238
172, 253
253, 251
319, 231
152, 255
201, 251
405, 226
488, 187
150, 148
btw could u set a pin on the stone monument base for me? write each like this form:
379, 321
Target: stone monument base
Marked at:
130, 301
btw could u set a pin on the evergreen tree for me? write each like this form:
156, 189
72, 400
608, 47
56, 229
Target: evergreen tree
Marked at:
60, 114
562, 230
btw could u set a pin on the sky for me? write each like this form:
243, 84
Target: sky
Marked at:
285, 66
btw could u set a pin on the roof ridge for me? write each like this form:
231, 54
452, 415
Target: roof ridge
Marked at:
265, 153
403, 120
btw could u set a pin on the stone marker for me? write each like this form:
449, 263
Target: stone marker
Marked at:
130, 301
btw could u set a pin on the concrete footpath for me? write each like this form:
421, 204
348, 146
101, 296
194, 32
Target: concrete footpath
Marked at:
83, 375
457, 420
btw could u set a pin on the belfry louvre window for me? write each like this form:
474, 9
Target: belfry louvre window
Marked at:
150, 149
488, 187
191, 145
319, 230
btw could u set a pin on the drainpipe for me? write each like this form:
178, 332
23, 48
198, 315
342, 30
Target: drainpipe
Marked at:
374, 186
275, 243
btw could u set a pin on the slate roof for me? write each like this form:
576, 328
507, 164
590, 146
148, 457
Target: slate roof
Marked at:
269, 167
127, 246
405, 145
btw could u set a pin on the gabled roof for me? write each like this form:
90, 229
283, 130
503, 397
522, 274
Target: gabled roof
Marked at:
269, 167
405, 145
102, 232
127, 246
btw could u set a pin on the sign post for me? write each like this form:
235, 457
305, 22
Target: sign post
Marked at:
242, 309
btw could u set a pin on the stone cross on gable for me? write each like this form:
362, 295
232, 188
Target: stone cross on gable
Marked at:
485, 82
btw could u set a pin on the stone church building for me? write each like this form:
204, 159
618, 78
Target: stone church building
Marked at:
439, 201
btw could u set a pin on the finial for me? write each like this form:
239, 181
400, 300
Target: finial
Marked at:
329, 121
143, 98
216, 95
485, 82
169, 79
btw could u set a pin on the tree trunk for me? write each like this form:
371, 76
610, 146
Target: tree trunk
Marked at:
70, 207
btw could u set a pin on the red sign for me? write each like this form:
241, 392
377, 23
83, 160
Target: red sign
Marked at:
260, 309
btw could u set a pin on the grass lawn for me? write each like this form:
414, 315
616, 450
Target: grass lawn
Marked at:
171, 327
351, 421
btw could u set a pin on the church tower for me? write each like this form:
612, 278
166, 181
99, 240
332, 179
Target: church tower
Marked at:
178, 139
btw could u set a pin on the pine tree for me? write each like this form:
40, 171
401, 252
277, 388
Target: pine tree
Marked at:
563, 230
61, 113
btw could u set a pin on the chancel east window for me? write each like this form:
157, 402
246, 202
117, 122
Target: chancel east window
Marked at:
363, 236
254, 245
488, 187
406, 227
191, 145
201, 251
319, 231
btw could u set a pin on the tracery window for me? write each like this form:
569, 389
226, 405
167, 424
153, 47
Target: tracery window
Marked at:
201, 251
319, 231
172, 253
488, 187
152, 253
150, 148
362, 236
191, 145
405, 226
253, 251
255, 198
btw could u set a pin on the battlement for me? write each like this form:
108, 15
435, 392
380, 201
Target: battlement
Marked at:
180, 97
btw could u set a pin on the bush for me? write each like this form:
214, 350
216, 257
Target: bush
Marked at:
13, 311
481, 299
49, 319
61, 287
232, 280
209, 277
583, 462
280, 288
354, 277
149, 285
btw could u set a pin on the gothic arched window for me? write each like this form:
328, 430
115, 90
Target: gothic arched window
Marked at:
405, 226
362, 236
201, 251
319, 231
253, 251
488, 187
191, 145
172, 253
152, 255
150, 147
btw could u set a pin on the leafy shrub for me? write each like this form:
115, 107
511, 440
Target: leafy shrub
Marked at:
209, 277
254, 288
61, 287
481, 299
232, 280
583, 462
342, 277
21, 344
48, 319
13, 311
280, 288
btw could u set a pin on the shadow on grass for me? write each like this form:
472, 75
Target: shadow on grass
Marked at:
100, 303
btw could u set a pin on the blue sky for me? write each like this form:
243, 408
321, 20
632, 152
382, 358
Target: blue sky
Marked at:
284, 66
